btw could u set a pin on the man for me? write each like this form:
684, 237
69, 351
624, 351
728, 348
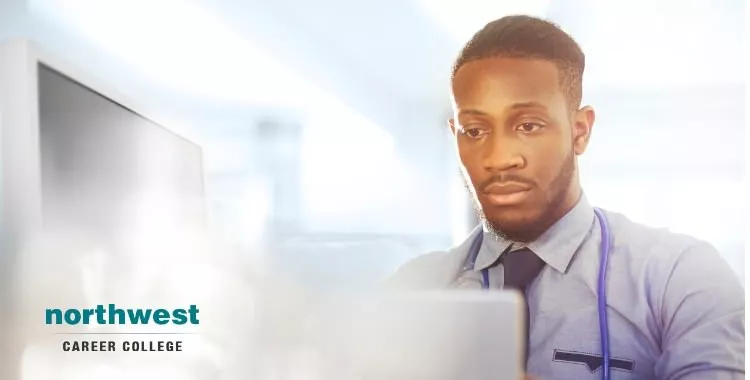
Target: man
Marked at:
675, 308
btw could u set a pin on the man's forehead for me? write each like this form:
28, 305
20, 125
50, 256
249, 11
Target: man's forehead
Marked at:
503, 64
506, 82
508, 75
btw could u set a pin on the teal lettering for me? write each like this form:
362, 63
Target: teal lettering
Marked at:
180, 317
161, 317
110, 314
72, 316
100, 315
139, 316
55, 314
87, 313
194, 315
115, 312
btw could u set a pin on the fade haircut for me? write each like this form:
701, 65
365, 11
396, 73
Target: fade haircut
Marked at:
531, 38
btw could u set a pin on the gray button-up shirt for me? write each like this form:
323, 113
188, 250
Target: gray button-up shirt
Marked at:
676, 310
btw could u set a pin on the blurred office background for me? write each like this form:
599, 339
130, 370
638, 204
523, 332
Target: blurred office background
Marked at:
323, 128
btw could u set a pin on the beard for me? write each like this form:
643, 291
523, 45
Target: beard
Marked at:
527, 228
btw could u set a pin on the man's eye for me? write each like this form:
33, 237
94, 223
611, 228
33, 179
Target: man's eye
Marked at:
473, 132
529, 127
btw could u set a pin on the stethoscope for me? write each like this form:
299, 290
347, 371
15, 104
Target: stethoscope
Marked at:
601, 293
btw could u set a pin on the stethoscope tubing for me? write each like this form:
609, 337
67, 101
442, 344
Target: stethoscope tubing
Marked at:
602, 291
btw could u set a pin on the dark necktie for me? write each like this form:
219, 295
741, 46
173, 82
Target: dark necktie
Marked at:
520, 268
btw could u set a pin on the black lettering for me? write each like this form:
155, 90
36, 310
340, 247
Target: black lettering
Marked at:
102, 346
152, 346
66, 345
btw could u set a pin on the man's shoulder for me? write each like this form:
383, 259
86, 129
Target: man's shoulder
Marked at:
692, 293
641, 241
426, 271
433, 270
659, 252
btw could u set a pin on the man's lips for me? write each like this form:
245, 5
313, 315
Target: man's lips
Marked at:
505, 194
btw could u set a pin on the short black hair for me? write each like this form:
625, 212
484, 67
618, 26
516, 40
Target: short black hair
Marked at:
533, 38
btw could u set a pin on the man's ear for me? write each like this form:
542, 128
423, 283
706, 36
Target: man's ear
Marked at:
452, 126
583, 124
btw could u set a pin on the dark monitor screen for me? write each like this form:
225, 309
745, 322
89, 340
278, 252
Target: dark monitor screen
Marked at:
102, 163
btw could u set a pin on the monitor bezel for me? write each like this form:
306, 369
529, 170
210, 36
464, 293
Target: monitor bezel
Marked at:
20, 173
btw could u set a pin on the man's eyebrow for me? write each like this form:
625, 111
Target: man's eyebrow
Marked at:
528, 105
472, 112
514, 106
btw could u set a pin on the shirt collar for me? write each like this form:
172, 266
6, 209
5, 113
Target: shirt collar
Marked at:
555, 247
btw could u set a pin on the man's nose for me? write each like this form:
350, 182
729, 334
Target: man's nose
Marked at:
502, 153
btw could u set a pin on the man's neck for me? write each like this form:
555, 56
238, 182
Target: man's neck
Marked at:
571, 199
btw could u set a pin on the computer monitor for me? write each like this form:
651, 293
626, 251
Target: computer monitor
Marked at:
105, 167
76, 154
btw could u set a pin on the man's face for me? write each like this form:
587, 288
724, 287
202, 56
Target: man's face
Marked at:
517, 140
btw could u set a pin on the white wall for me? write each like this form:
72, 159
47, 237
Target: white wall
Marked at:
674, 159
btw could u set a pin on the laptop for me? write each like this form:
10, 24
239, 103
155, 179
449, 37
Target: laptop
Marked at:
446, 335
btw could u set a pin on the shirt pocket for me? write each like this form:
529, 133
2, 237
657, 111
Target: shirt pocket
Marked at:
566, 344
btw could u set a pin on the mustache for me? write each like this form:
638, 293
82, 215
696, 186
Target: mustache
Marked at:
505, 178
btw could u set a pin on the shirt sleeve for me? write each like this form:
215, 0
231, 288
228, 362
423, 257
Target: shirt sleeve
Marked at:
702, 319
